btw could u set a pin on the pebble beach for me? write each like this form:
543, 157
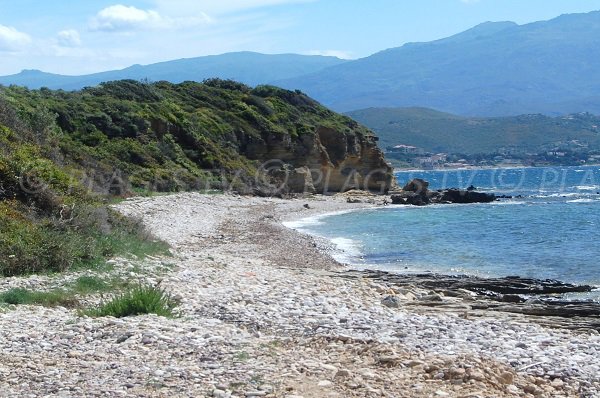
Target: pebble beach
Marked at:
265, 311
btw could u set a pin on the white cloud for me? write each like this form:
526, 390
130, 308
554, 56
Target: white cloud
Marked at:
331, 53
120, 18
125, 18
12, 40
68, 38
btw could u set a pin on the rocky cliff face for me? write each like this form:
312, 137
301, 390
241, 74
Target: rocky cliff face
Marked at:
327, 161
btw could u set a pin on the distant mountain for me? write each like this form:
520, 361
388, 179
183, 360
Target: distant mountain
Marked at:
493, 69
442, 132
246, 67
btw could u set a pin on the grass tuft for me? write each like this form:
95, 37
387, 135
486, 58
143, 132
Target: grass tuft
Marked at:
138, 300
51, 298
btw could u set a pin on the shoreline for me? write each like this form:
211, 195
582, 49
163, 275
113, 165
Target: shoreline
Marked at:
499, 167
265, 311
345, 257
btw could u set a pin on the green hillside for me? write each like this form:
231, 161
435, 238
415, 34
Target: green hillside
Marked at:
64, 154
442, 132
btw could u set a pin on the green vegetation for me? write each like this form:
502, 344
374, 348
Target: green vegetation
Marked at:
92, 284
138, 300
442, 132
49, 221
51, 298
65, 155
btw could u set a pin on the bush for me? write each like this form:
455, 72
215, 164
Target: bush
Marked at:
140, 299
92, 234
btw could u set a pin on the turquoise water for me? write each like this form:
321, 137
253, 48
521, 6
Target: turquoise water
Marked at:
551, 231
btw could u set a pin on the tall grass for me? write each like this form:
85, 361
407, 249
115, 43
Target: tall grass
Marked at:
138, 300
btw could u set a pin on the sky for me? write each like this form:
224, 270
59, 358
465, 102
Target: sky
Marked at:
84, 36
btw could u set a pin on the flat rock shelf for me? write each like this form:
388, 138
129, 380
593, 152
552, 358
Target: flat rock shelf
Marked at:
527, 296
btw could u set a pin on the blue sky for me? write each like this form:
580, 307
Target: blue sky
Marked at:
77, 37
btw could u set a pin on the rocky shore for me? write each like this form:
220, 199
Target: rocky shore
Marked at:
265, 311
417, 193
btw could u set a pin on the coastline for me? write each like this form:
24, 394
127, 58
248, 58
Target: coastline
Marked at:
350, 256
508, 166
266, 311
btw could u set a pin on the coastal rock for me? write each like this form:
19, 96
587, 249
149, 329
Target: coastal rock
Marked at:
328, 160
416, 192
416, 185
409, 198
466, 196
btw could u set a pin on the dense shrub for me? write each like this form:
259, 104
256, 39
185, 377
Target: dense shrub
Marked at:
49, 221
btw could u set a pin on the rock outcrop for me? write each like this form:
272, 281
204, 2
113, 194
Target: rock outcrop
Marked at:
417, 193
327, 161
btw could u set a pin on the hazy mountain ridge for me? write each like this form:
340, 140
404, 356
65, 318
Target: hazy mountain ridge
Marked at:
246, 67
493, 69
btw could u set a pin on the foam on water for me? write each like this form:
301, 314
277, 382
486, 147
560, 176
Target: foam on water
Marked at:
310, 221
588, 187
346, 250
582, 200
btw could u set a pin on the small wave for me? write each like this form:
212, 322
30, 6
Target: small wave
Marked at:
347, 250
558, 195
509, 202
588, 187
303, 223
314, 220
582, 200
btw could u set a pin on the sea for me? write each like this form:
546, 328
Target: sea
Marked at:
549, 229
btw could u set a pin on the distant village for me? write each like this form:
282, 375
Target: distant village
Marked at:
570, 153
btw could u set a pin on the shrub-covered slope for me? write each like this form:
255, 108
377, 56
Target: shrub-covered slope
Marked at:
168, 137
49, 220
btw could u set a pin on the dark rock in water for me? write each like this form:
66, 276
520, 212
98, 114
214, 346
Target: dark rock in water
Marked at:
533, 297
461, 196
409, 198
417, 185
416, 193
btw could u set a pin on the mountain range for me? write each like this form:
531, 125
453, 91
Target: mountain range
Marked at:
246, 67
494, 69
